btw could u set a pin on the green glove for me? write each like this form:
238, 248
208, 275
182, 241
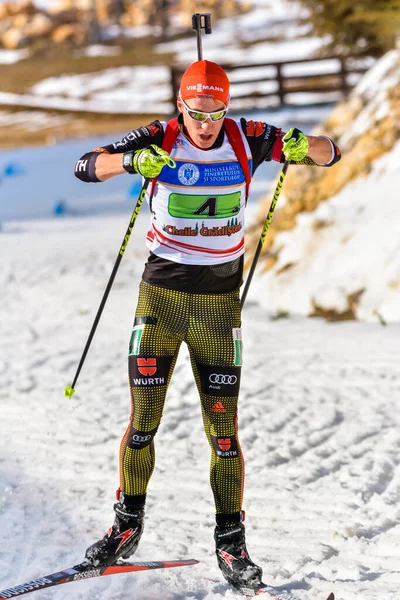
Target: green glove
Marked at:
150, 161
296, 145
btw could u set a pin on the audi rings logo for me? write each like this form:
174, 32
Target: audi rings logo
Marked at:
139, 439
223, 379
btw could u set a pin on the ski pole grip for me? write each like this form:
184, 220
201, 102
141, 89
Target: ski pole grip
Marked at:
296, 133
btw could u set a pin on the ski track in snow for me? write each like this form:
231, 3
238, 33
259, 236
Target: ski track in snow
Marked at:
319, 428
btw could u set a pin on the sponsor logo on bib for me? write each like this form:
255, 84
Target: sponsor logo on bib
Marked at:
188, 174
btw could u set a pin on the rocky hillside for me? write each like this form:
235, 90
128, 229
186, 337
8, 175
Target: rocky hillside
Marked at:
367, 129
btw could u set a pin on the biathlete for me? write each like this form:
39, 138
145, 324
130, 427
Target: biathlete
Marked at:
201, 165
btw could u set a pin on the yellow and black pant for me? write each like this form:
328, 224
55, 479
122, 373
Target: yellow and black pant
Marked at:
210, 326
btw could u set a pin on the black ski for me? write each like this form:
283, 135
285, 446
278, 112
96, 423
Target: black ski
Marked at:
86, 571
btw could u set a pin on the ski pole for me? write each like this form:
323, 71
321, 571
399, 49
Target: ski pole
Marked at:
264, 231
70, 389
201, 21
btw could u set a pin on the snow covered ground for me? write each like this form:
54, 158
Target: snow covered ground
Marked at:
319, 427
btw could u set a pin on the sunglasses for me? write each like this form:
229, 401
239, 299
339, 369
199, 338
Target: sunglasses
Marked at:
201, 116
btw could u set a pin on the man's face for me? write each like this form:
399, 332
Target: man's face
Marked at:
202, 134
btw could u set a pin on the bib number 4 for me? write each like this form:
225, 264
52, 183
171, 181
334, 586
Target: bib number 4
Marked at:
205, 207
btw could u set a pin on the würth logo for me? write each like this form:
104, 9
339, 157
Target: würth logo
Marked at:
224, 443
147, 366
218, 407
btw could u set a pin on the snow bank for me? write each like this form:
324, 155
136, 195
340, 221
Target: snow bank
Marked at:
342, 258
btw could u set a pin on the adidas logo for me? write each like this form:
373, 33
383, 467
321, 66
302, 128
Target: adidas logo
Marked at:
218, 407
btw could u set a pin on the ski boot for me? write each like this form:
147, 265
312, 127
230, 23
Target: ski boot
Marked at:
121, 540
233, 558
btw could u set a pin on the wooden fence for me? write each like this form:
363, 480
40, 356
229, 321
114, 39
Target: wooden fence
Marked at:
293, 82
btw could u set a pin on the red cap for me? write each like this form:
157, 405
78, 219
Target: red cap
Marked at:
205, 78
